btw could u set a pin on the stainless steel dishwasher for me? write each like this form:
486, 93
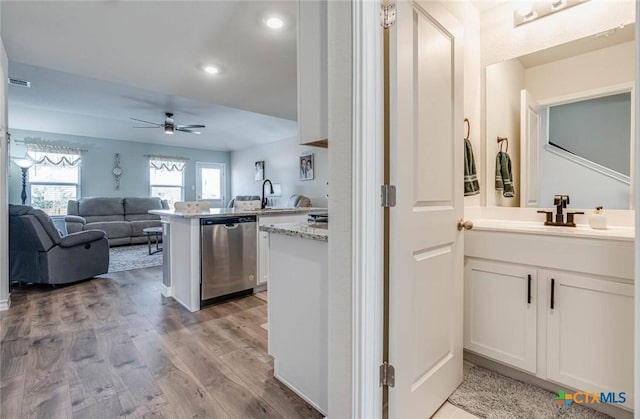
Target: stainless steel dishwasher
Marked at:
228, 254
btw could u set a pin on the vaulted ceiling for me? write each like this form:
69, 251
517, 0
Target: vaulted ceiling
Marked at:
95, 64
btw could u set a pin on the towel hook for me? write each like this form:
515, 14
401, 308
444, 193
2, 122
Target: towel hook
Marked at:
468, 124
501, 140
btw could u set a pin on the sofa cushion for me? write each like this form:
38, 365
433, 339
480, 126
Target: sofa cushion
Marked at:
82, 237
141, 205
100, 206
114, 229
138, 226
100, 218
47, 224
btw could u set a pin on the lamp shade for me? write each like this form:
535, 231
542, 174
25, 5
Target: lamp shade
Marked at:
23, 163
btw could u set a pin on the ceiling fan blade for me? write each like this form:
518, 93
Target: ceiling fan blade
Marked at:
147, 122
146, 127
190, 126
188, 130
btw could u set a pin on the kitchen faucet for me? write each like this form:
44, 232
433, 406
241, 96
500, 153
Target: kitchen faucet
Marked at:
264, 200
561, 202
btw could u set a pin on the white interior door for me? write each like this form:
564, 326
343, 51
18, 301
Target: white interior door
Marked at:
426, 248
210, 181
529, 149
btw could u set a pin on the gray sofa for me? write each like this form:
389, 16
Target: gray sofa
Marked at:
123, 219
39, 254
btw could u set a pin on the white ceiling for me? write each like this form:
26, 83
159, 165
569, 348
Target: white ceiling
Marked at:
95, 64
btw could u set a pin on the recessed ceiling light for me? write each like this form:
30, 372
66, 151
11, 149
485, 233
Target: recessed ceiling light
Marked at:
210, 69
273, 22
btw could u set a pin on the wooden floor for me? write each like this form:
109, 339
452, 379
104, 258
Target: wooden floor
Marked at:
114, 347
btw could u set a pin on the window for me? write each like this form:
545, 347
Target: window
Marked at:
54, 179
166, 177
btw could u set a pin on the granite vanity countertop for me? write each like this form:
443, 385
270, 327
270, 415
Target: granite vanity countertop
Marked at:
226, 212
301, 230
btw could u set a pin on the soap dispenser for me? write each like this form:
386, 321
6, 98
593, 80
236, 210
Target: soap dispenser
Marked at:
598, 220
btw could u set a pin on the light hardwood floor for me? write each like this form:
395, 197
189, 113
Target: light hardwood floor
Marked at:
114, 347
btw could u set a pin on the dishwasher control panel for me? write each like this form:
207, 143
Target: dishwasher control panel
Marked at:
228, 220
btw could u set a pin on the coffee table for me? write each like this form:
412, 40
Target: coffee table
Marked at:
155, 233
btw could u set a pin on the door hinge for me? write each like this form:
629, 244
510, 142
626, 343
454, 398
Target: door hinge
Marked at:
388, 196
387, 15
387, 375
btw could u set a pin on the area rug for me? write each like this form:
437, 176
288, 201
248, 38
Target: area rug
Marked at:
490, 395
126, 258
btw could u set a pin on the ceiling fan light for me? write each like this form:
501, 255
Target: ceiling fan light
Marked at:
169, 129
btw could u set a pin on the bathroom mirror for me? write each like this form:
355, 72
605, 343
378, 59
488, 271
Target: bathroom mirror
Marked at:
568, 114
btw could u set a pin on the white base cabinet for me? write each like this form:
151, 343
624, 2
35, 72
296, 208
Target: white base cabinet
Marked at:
263, 241
500, 312
563, 322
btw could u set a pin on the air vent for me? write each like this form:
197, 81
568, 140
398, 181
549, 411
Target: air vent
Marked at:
18, 82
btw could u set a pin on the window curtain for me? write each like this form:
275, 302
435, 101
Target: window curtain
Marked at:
168, 164
54, 156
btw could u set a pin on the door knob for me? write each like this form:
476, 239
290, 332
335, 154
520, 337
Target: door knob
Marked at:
467, 225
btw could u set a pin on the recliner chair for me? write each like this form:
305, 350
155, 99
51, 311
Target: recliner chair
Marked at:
39, 254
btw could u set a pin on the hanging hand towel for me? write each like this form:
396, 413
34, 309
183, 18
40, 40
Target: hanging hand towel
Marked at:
471, 185
504, 177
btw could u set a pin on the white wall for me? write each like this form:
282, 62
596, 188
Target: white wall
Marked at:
340, 279
501, 41
594, 70
469, 17
4, 187
282, 166
504, 81
587, 189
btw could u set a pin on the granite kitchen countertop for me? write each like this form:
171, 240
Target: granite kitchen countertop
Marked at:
227, 212
318, 231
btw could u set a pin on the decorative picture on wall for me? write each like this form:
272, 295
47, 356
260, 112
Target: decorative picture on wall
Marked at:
306, 167
259, 167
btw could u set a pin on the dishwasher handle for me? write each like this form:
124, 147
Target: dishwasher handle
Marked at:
231, 226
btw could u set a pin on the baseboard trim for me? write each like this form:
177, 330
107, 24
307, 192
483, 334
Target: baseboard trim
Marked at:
166, 291
299, 393
5, 304
260, 288
489, 364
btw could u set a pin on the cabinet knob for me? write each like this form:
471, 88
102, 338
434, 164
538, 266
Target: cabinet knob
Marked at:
467, 225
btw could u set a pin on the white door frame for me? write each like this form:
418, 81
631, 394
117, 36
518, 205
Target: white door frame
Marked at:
367, 217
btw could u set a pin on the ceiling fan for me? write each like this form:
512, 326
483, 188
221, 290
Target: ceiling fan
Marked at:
170, 126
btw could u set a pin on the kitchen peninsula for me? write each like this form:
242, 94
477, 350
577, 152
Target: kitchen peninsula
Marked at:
183, 247
298, 308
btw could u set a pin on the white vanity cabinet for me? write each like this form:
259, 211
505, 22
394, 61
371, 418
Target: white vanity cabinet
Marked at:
574, 328
500, 312
589, 332
312, 72
263, 241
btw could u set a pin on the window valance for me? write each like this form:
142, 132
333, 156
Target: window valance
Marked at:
48, 155
171, 164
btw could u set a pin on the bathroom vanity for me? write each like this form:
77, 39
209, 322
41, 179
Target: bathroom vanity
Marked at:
554, 302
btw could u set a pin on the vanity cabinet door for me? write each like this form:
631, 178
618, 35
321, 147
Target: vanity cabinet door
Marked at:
500, 312
590, 333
